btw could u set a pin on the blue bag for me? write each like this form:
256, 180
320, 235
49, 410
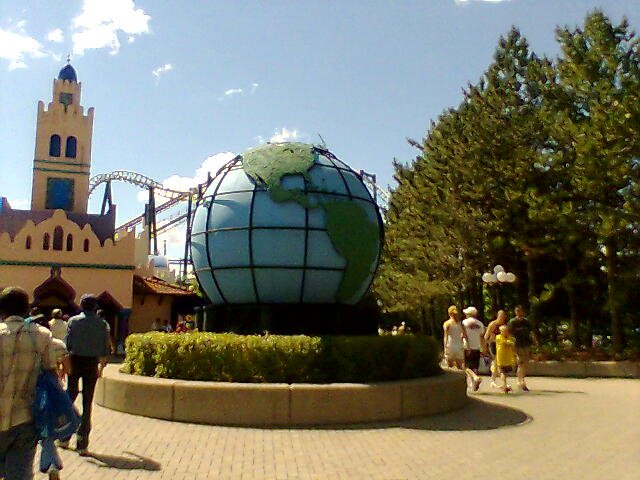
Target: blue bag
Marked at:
54, 415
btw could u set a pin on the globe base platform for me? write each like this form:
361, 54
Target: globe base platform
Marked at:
289, 319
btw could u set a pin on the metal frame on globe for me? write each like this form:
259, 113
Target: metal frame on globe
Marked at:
336, 164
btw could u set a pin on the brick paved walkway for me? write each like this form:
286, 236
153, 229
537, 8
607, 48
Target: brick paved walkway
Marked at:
563, 429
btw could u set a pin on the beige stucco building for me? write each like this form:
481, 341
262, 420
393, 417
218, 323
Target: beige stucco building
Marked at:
57, 251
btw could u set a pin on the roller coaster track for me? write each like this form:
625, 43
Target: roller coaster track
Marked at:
136, 179
175, 197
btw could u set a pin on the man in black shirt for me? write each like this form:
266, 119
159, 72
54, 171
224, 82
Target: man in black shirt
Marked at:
520, 328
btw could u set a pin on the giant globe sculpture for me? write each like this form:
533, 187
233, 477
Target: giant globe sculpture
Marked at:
286, 223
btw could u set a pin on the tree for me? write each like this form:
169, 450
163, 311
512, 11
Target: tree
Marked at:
596, 119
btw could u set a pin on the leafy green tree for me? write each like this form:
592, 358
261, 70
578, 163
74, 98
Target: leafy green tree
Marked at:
596, 120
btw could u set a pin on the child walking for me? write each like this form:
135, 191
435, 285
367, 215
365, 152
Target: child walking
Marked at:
505, 355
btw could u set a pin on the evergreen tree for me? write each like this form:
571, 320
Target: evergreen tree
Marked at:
596, 120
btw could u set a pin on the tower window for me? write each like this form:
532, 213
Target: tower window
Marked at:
45, 241
70, 151
66, 99
54, 146
69, 243
27, 243
57, 238
59, 193
86, 245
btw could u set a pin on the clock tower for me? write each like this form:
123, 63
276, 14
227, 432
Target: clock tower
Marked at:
62, 161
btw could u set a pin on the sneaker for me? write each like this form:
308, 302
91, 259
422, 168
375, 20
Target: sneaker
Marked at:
524, 388
62, 444
476, 384
506, 389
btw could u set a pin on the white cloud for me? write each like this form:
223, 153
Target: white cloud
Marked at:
175, 236
56, 36
15, 45
161, 70
211, 165
284, 135
19, 203
100, 23
232, 91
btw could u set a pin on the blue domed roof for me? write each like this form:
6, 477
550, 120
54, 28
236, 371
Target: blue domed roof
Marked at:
68, 73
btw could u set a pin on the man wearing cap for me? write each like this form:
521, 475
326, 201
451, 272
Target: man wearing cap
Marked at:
57, 324
88, 343
474, 344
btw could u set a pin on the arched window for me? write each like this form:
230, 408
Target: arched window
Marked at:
54, 146
70, 151
45, 241
69, 243
86, 245
27, 243
58, 234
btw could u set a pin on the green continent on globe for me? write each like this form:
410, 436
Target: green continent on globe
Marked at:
270, 163
356, 239
352, 234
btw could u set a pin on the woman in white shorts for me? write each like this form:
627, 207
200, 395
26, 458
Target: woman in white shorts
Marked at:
454, 334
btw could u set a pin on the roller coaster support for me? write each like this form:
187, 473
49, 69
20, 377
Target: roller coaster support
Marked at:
150, 220
187, 240
107, 199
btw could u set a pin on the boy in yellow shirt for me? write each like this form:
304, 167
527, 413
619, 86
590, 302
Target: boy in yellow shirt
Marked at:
505, 355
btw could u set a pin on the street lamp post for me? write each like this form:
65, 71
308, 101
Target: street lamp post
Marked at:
499, 277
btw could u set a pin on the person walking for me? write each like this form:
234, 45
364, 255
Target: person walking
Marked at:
57, 324
24, 349
493, 329
505, 355
454, 334
475, 344
88, 343
520, 328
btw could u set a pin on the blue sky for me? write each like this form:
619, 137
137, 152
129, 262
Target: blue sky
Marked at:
175, 83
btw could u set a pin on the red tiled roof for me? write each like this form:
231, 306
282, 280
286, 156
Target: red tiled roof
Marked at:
157, 286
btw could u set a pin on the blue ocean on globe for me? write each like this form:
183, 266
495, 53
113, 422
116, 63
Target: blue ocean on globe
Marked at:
286, 223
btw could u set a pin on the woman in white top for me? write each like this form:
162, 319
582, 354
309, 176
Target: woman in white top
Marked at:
58, 325
454, 334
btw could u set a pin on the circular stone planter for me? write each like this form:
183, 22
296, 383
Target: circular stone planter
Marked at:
279, 404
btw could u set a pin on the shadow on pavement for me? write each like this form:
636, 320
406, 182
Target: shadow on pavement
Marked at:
531, 393
124, 463
476, 415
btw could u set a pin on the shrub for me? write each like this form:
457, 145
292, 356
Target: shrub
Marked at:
280, 359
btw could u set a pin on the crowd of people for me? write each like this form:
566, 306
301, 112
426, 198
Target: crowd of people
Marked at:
506, 342
183, 325
75, 349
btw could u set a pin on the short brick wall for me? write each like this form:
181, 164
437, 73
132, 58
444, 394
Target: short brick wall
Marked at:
580, 369
279, 404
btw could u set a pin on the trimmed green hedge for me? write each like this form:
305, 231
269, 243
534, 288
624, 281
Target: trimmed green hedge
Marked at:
279, 358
